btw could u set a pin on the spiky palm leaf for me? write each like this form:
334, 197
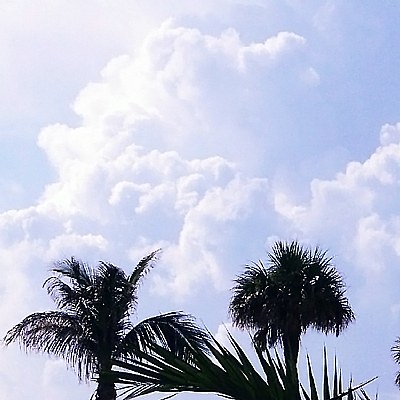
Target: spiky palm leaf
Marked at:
223, 373
335, 390
219, 372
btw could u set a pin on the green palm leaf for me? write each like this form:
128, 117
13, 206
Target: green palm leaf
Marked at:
220, 372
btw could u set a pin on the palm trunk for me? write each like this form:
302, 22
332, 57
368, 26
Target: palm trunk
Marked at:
291, 347
105, 384
105, 381
106, 391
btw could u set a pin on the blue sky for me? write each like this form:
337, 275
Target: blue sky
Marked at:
210, 129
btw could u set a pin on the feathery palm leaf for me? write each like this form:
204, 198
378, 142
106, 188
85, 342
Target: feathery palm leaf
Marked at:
59, 334
174, 331
142, 268
93, 324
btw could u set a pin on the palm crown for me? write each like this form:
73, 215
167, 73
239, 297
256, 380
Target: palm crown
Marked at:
299, 289
92, 326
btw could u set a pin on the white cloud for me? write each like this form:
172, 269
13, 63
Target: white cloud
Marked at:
221, 335
16, 286
118, 168
357, 212
271, 50
390, 134
66, 244
164, 156
157, 161
183, 73
207, 234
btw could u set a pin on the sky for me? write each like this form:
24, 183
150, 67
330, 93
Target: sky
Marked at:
209, 129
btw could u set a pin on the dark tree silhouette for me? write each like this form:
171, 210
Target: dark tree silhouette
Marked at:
92, 325
396, 356
298, 289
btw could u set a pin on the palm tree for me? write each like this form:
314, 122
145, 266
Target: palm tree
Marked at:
396, 356
92, 324
300, 288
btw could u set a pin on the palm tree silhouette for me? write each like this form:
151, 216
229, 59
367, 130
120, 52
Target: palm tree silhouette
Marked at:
300, 288
92, 326
396, 356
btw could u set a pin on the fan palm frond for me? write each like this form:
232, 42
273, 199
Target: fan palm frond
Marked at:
298, 289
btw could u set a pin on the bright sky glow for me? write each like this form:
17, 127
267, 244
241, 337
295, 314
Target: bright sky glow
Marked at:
210, 129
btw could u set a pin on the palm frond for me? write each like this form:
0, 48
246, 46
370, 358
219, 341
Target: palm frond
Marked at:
93, 323
174, 331
72, 288
220, 372
113, 292
334, 391
144, 265
396, 357
79, 273
298, 289
59, 334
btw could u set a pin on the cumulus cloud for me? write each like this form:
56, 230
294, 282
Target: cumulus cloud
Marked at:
357, 211
164, 155
185, 74
208, 234
390, 134
159, 153
269, 51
